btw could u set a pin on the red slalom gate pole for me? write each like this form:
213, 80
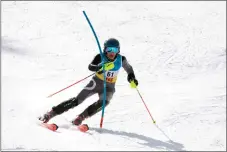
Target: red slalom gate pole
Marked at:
101, 121
70, 85
146, 106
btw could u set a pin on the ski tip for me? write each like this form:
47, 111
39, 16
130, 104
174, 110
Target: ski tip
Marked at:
52, 127
55, 127
83, 128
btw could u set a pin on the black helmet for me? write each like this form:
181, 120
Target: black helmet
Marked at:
112, 42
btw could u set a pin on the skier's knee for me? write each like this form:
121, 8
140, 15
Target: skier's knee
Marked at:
100, 103
96, 107
107, 102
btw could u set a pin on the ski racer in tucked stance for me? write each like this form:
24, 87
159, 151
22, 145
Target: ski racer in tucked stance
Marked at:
113, 61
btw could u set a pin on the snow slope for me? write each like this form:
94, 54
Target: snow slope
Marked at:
177, 50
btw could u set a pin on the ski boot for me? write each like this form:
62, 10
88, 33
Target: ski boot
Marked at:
78, 120
47, 116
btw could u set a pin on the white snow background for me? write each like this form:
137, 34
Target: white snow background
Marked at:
177, 50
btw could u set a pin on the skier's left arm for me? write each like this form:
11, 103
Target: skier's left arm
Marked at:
131, 76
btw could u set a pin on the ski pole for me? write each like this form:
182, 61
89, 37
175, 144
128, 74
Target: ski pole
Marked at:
152, 117
146, 106
70, 85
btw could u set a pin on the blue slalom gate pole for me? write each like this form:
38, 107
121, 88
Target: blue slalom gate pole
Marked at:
104, 72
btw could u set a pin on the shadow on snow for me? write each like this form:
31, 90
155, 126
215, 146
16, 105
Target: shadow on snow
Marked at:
150, 142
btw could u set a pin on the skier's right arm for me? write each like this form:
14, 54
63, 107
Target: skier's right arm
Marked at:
95, 65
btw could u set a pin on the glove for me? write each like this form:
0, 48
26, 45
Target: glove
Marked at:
107, 66
134, 83
132, 80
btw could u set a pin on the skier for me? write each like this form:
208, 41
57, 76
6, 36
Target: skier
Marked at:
113, 61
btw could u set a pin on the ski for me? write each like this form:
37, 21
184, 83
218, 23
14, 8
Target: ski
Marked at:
83, 128
54, 127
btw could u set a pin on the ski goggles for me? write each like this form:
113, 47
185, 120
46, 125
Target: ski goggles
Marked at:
112, 49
